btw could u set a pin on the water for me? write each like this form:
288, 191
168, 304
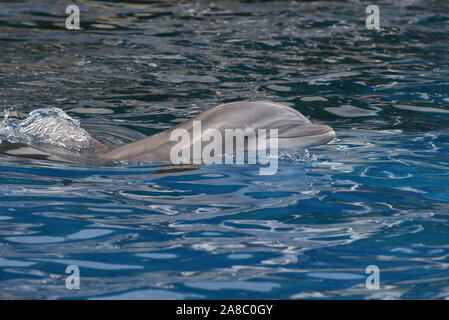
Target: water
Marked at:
377, 195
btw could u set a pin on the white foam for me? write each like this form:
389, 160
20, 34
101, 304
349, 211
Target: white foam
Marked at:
47, 126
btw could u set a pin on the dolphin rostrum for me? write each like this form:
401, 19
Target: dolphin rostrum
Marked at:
294, 130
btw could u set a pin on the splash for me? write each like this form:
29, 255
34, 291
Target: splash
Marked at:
49, 127
301, 155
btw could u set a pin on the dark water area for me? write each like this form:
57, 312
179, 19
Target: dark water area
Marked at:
376, 195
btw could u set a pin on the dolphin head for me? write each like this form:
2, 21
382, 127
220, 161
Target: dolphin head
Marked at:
295, 131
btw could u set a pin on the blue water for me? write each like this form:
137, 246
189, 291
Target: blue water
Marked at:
376, 195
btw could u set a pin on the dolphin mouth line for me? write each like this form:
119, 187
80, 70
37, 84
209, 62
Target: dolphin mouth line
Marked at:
331, 134
325, 131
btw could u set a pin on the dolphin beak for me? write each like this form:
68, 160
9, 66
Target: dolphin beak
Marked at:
318, 134
305, 135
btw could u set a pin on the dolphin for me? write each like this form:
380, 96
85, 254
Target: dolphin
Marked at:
294, 130
54, 128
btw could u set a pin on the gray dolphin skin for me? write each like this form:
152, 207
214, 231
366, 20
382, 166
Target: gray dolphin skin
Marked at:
294, 130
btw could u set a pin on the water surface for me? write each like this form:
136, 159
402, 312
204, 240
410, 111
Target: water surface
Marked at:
377, 195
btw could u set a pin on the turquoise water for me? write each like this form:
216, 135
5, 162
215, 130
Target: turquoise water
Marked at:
376, 195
